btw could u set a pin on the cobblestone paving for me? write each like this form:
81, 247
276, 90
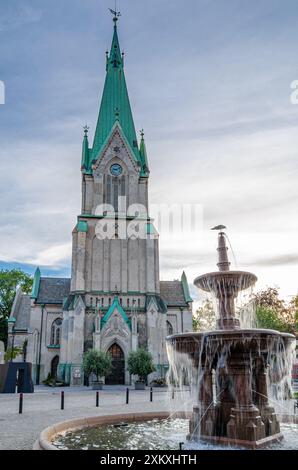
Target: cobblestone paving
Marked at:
42, 409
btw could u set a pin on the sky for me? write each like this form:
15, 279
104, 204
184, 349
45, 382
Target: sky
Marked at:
209, 81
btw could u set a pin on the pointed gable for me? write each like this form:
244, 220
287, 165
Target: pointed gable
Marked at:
115, 306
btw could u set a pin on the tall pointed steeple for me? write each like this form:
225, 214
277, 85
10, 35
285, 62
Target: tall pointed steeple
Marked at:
143, 156
85, 149
115, 105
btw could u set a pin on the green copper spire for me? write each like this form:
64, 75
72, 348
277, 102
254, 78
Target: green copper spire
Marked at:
185, 288
115, 105
85, 149
36, 283
143, 155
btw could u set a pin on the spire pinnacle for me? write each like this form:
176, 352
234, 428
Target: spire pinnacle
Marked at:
143, 155
85, 149
115, 14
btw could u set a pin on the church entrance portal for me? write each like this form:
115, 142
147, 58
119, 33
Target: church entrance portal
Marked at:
54, 367
117, 377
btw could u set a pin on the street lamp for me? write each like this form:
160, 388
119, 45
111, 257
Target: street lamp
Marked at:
11, 323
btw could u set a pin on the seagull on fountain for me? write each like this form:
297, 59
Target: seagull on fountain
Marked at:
219, 227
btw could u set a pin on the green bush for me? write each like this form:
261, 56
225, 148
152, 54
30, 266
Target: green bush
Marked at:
98, 363
140, 363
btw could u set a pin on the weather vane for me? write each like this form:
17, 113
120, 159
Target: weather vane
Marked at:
115, 12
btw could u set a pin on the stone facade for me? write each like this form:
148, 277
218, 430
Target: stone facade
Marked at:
114, 300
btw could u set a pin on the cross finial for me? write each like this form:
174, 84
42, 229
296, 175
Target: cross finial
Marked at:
86, 129
142, 133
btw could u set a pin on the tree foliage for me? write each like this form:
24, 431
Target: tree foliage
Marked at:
10, 280
140, 363
97, 362
275, 313
204, 318
12, 353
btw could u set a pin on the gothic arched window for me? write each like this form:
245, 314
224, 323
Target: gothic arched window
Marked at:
56, 332
115, 188
170, 329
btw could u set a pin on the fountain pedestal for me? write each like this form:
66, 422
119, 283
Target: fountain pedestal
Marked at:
245, 421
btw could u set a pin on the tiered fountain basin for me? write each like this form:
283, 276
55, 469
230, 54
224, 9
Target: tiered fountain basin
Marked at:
233, 365
225, 287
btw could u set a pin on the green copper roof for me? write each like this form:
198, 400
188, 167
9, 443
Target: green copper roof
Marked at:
115, 103
185, 288
143, 155
36, 282
115, 304
82, 226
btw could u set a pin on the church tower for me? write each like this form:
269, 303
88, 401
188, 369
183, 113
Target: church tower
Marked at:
115, 258
114, 301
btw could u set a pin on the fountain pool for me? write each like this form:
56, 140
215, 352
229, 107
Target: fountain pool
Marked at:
156, 434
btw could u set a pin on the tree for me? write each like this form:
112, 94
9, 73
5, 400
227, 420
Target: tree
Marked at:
140, 363
273, 312
12, 353
97, 362
204, 318
10, 280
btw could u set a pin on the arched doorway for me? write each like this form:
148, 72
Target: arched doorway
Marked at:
54, 367
117, 377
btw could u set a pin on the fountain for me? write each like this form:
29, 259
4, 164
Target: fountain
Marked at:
232, 367
234, 370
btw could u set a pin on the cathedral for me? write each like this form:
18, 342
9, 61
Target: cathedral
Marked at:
114, 300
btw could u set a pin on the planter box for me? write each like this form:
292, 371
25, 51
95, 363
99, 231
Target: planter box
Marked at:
140, 386
97, 385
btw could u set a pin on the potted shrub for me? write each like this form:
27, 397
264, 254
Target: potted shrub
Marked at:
140, 363
159, 382
97, 363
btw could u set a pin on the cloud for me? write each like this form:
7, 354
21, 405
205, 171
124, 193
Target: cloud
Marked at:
53, 256
282, 260
212, 90
12, 17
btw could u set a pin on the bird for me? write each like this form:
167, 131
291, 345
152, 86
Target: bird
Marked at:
219, 227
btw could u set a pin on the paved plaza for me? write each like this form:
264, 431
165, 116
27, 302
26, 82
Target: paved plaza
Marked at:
42, 409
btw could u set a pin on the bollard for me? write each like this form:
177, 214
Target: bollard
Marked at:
97, 399
127, 396
151, 394
181, 444
21, 404
62, 400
